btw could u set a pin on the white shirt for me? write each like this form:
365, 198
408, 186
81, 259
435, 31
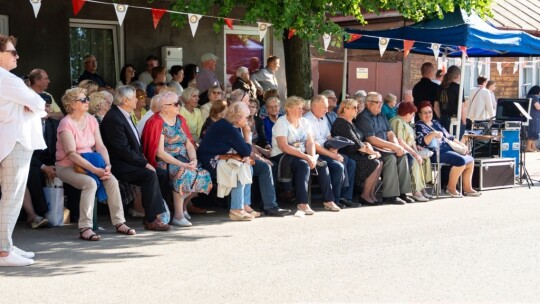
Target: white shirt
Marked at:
130, 123
16, 124
296, 137
319, 128
480, 105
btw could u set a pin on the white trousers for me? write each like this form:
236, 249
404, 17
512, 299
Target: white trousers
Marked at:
13, 176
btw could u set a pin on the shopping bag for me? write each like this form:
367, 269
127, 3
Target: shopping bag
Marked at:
54, 195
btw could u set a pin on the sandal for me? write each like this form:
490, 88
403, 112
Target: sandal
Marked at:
92, 237
128, 231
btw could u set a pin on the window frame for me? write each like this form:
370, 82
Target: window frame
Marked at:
528, 63
4, 25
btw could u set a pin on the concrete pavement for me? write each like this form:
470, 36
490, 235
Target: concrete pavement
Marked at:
484, 249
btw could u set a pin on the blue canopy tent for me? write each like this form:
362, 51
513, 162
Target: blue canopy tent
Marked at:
454, 30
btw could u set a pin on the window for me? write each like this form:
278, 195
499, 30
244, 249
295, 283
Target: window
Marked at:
103, 39
241, 45
529, 74
4, 25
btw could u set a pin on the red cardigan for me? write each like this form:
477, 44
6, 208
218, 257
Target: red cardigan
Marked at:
152, 132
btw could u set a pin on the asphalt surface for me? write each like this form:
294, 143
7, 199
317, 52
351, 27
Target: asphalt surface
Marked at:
481, 250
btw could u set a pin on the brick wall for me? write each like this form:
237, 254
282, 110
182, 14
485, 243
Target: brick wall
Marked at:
508, 82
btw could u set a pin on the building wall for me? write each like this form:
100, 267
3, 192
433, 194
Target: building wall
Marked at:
507, 83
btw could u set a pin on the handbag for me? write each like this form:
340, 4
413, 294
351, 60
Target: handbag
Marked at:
54, 196
457, 146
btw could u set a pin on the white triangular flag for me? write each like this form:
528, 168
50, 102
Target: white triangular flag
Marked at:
36, 4
121, 10
194, 22
383, 44
499, 68
436, 49
326, 38
263, 27
479, 67
516, 66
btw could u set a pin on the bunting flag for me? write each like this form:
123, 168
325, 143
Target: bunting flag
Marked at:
463, 49
292, 31
229, 22
36, 5
77, 5
354, 37
121, 10
436, 48
326, 40
516, 66
263, 27
407, 46
499, 68
383, 44
157, 13
194, 22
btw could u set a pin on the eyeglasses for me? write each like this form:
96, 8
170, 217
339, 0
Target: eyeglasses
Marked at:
13, 52
377, 102
426, 112
83, 100
253, 107
355, 107
176, 104
217, 92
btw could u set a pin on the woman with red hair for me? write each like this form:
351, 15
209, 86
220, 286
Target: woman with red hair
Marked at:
430, 133
420, 168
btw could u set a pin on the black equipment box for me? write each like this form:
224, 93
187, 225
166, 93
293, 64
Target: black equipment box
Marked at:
493, 173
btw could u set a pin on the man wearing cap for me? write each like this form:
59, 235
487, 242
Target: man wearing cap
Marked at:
265, 79
39, 82
206, 78
342, 169
90, 73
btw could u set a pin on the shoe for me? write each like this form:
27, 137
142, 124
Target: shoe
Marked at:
475, 193
349, 203
14, 259
182, 222
196, 210
307, 211
156, 225
407, 199
93, 237
186, 215
240, 217
331, 206
366, 203
340, 205
393, 200
126, 231
300, 213
457, 195
39, 222
420, 198
24, 254
426, 195
277, 212
135, 213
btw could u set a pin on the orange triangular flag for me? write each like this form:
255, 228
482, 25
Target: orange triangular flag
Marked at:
354, 37
229, 22
463, 49
291, 32
407, 46
157, 13
77, 5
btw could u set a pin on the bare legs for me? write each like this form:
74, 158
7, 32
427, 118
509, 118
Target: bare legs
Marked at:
466, 171
370, 185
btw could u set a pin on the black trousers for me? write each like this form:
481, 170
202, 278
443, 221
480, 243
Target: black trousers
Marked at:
35, 184
152, 200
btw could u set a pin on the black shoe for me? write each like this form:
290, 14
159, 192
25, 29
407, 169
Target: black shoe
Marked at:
277, 212
393, 200
349, 203
406, 198
341, 205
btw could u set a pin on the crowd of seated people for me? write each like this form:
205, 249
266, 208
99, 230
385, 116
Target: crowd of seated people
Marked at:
154, 140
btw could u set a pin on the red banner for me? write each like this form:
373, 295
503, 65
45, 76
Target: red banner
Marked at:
157, 13
291, 32
77, 5
229, 22
354, 37
407, 46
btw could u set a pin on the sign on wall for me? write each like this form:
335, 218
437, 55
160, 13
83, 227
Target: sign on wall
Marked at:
361, 73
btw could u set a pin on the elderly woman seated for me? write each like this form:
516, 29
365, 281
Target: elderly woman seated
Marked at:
99, 105
431, 134
368, 166
167, 145
230, 138
293, 148
420, 164
191, 112
78, 137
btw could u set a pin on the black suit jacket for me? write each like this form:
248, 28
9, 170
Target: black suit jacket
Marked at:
47, 156
125, 151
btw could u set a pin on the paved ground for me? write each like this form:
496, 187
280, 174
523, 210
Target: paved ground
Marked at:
450, 250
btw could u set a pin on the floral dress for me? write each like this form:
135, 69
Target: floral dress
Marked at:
184, 181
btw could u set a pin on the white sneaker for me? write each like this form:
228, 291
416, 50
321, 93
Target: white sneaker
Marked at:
14, 259
182, 223
186, 215
419, 198
425, 194
300, 214
24, 254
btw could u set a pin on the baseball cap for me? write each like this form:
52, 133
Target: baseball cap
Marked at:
208, 56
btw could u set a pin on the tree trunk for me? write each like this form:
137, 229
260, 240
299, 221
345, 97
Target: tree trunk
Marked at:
297, 67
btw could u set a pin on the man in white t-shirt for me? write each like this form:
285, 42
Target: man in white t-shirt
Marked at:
480, 105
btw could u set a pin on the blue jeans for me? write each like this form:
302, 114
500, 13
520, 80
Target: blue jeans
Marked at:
241, 195
266, 184
336, 169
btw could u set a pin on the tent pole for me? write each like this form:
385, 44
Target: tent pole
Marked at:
344, 86
460, 96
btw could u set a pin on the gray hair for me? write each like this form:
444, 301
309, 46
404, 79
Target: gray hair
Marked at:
123, 92
187, 92
157, 101
96, 99
360, 95
271, 99
237, 95
318, 98
327, 93
241, 70
139, 85
236, 111
373, 96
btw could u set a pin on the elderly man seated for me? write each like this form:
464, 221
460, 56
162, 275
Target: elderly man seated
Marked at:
377, 131
342, 169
